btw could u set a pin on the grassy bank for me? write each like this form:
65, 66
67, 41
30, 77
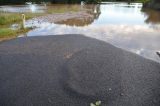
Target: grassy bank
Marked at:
10, 18
7, 19
8, 32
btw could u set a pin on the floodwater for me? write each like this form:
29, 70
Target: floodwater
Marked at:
124, 25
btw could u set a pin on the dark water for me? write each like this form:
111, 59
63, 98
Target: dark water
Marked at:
126, 26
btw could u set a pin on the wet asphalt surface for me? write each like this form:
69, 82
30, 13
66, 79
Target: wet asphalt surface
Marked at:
74, 70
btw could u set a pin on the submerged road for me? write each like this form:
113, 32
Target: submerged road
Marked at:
74, 70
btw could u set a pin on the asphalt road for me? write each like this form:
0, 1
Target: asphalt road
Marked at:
74, 70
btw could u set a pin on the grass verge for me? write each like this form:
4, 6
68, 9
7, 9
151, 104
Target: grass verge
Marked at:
8, 18
8, 33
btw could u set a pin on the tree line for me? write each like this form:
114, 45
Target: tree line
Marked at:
5, 2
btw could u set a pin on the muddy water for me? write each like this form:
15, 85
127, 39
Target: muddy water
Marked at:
126, 26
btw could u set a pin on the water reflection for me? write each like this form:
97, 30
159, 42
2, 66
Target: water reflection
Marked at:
76, 22
139, 39
92, 10
152, 16
124, 25
33, 8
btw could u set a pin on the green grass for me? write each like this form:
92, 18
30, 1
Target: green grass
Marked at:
8, 32
10, 18
142, 1
5, 32
7, 19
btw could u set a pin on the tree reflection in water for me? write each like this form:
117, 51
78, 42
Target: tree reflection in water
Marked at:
92, 10
152, 16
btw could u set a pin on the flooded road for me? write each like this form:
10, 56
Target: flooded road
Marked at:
126, 26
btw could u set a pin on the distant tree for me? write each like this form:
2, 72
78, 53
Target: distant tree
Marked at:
3, 2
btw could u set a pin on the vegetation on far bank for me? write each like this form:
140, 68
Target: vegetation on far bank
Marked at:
4, 2
154, 4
